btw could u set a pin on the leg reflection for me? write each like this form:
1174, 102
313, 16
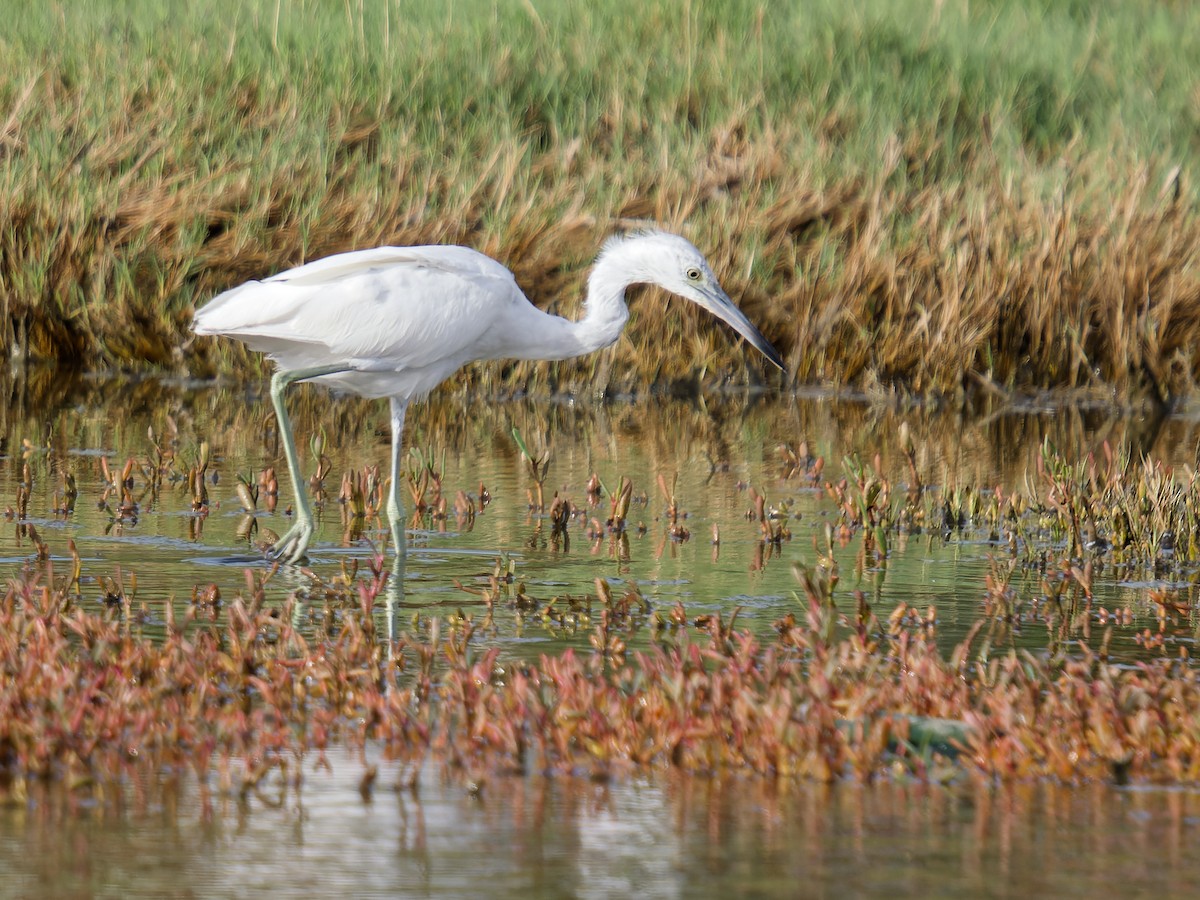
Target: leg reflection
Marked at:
395, 600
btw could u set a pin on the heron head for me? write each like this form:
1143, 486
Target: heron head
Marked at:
673, 262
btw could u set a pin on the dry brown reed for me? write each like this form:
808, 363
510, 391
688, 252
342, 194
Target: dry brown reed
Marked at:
878, 281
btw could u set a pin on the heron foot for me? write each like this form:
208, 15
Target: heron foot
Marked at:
292, 547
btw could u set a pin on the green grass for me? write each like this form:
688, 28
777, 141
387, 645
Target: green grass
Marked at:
826, 154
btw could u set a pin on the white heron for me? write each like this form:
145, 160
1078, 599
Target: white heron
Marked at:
397, 321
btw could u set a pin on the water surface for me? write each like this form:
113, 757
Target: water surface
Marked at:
666, 834
714, 452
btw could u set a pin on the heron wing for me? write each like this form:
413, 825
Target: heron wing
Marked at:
331, 269
387, 309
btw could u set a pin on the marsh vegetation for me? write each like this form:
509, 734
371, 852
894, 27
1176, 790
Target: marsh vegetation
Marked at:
720, 575
945, 200
787, 598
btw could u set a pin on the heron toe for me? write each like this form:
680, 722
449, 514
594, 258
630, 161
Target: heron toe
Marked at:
292, 547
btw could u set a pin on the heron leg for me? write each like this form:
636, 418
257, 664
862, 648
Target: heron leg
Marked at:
395, 589
292, 546
395, 507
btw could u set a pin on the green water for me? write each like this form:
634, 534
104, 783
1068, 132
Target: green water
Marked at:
715, 453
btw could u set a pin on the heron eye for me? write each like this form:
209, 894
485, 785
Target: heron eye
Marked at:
693, 274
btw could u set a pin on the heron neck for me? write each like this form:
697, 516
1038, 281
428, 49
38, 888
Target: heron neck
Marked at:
604, 314
604, 311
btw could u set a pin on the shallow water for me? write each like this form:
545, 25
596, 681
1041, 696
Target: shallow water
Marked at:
668, 836
665, 835
716, 452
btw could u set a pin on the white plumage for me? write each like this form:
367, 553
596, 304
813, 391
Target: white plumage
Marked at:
401, 319
397, 321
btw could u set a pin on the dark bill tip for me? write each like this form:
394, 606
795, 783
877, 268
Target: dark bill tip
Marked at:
724, 308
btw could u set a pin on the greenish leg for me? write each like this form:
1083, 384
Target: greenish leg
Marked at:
294, 544
395, 506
